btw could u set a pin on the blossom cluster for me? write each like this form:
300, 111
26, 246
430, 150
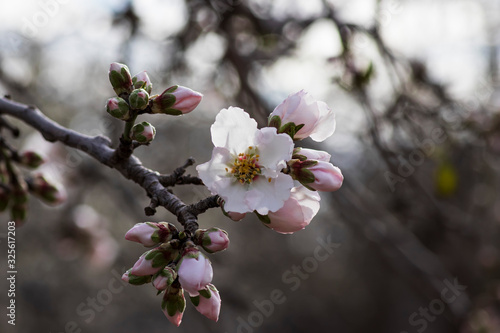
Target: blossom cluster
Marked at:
261, 170
15, 187
134, 98
175, 264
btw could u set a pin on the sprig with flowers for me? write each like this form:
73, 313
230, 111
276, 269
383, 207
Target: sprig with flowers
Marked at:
251, 171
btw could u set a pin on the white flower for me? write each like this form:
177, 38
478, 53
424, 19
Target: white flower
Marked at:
300, 108
246, 164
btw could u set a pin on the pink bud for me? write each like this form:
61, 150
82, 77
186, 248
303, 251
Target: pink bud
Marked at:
31, 159
142, 233
214, 240
176, 100
176, 319
143, 132
160, 282
195, 271
142, 80
46, 191
125, 276
312, 154
186, 100
328, 178
174, 304
296, 213
120, 79
144, 267
165, 278
301, 109
208, 302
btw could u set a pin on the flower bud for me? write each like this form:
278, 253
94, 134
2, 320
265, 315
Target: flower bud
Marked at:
174, 304
142, 80
300, 116
310, 154
154, 260
176, 100
212, 240
150, 234
208, 302
118, 108
31, 159
296, 213
143, 132
139, 99
49, 193
164, 278
120, 79
312, 169
194, 270
135, 279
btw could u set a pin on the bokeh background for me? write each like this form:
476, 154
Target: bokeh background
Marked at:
414, 85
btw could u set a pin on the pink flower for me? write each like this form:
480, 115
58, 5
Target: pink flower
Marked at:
194, 271
118, 108
144, 266
142, 233
176, 319
208, 302
297, 212
174, 304
142, 80
143, 132
186, 100
165, 278
312, 154
312, 168
120, 79
301, 109
150, 233
213, 239
327, 177
176, 100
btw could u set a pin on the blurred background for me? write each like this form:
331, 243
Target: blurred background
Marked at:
413, 233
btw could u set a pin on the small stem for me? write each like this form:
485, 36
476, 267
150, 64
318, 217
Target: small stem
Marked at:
128, 128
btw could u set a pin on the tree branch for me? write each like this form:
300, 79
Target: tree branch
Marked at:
99, 147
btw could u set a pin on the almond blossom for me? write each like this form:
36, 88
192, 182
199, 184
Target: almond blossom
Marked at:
245, 169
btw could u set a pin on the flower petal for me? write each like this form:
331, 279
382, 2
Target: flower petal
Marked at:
265, 196
215, 169
234, 130
325, 126
274, 149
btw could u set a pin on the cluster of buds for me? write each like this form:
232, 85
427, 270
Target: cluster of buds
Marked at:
14, 188
261, 170
134, 98
175, 265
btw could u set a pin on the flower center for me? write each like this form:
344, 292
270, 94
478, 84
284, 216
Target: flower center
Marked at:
246, 167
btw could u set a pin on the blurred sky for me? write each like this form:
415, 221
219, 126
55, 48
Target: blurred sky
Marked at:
452, 37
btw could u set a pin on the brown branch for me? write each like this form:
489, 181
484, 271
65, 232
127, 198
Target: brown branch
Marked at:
131, 168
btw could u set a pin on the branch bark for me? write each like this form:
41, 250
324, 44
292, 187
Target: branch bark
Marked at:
99, 147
